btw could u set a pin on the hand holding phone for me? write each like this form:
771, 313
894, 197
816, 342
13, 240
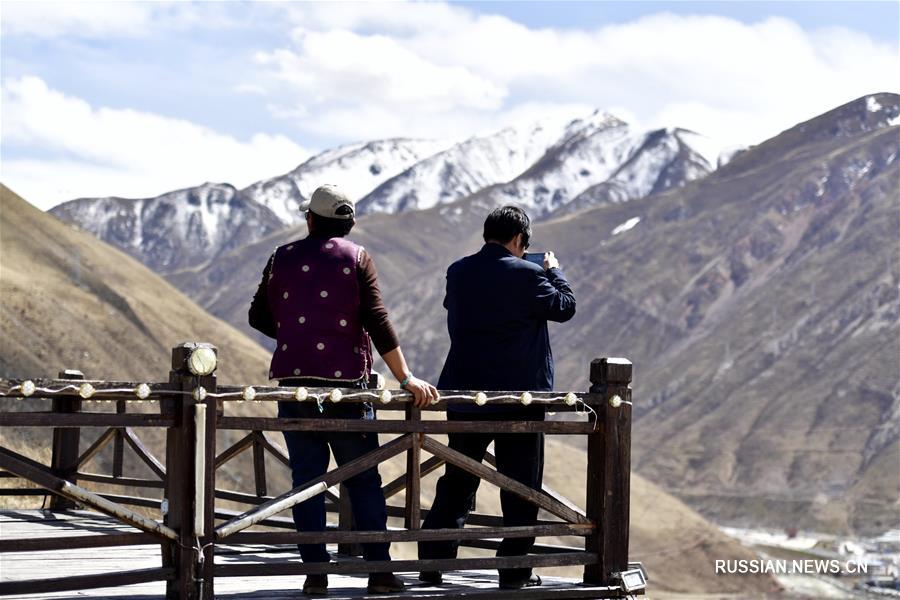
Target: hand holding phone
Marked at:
550, 261
544, 259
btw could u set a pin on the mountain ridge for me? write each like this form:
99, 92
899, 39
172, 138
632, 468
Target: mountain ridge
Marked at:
395, 175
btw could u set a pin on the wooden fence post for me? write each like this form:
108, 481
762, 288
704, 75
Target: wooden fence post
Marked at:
192, 556
413, 511
259, 463
609, 471
118, 466
64, 460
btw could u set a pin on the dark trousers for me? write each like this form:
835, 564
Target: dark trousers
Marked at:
309, 454
519, 456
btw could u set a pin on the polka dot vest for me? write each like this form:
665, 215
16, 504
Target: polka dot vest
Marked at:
313, 292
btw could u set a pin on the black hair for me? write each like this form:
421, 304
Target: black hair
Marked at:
328, 227
505, 223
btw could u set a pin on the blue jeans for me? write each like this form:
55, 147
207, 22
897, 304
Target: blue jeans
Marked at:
309, 454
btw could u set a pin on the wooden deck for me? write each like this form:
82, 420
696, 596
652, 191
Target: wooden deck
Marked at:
32, 524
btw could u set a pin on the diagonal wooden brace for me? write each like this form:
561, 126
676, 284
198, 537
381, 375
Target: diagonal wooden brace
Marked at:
97, 446
144, 453
399, 483
235, 449
492, 460
23, 467
316, 486
509, 484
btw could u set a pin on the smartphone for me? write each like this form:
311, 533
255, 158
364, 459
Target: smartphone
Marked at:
535, 257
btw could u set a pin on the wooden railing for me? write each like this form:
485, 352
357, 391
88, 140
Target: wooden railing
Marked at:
191, 409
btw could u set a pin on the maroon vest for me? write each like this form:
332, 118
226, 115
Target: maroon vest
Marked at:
313, 293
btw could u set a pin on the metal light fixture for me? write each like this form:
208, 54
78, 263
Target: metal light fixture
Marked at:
633, 580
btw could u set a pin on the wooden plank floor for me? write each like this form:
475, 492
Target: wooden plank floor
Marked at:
23, 524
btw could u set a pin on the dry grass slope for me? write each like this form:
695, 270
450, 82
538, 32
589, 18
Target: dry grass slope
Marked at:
71, 301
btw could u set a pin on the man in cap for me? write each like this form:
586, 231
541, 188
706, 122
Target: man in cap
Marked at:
319, 299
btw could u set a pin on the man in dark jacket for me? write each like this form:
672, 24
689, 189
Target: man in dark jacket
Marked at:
498, 306
319, 299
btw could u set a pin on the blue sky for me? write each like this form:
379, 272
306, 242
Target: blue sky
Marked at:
880, 19
136, 99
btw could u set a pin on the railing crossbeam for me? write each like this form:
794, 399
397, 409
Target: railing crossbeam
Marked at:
407, 535
371, 566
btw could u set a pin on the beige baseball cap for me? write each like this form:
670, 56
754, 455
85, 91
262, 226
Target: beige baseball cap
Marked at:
329, 201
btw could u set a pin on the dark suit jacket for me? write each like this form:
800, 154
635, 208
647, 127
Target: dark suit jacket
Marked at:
498, 306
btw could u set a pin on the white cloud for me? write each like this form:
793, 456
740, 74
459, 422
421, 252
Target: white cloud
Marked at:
109, 19
103, 151
347, 68
380, 69
79, 18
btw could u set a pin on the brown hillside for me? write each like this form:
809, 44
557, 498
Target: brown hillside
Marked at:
71, 301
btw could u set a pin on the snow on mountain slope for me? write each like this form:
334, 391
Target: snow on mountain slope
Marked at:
466, 168
590, 151
356, 168
176, 230
606, 157
665, 158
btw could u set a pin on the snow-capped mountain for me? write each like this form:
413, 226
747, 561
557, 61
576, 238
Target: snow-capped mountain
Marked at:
541, 166
356, 168
186, 228
603, 154
180, 229
466, 168
665, 158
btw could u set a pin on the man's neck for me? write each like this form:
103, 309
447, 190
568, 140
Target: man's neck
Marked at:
510, 245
